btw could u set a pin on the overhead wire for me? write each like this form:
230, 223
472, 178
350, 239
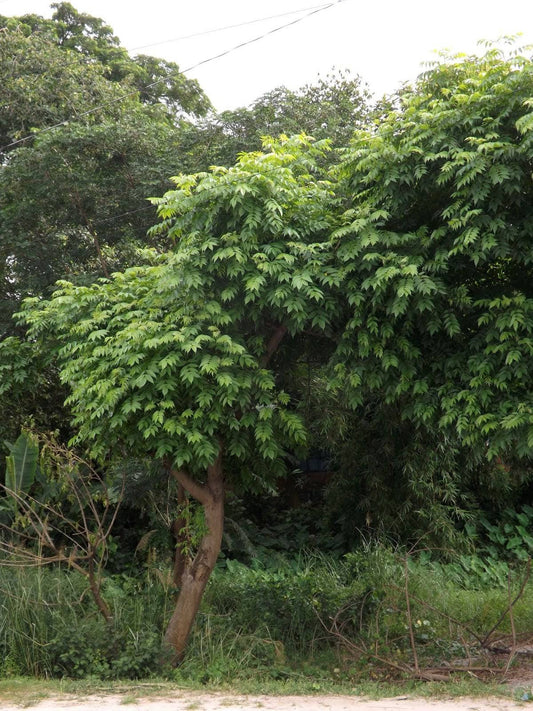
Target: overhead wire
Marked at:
112, 218
311, 11
64, 122
203, 33
264, 35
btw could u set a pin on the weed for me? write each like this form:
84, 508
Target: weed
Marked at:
283, 627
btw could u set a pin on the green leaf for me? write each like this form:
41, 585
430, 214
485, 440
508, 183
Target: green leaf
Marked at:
21, 464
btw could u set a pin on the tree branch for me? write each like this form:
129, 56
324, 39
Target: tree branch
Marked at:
510, 606
215, 479
273, 344
198, 491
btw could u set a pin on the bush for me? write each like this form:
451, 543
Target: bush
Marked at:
258, 620
285, 603
219, 652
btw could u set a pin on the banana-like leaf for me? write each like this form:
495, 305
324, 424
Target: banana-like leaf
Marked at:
21, 464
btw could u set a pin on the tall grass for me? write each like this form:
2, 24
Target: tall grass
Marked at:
286, 601
49, 626
274, 619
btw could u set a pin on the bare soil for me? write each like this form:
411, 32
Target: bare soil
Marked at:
195, 701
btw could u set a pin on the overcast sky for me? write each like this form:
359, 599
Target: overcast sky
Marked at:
385, 41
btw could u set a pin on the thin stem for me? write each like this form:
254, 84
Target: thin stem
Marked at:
409, 615
512, 603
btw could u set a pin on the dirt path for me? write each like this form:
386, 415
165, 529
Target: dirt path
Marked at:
194, 701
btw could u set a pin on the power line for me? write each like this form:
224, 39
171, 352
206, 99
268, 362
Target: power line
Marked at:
223, 29
321, 8
316, 10
112, 218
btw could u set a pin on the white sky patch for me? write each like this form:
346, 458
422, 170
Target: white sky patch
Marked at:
385, 41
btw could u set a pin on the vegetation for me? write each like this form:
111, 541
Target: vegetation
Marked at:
332, 108
360, 299
335, 623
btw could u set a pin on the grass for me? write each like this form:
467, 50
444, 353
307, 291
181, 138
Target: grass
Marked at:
28, 691
259, 631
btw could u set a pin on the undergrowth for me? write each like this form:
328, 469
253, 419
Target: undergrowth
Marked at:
375, 613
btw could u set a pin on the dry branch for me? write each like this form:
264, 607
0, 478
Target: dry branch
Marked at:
40, 533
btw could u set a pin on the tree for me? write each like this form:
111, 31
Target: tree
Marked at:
161, 82
80, 153
97, 149
53, 70
331, 108
436, 250
43, 85
183, 361
156, 79
407, 277
74, 203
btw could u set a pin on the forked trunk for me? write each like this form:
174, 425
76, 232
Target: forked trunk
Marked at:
196, 574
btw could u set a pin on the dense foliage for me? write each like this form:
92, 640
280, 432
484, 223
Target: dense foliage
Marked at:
437, 250
332, 108
81, 153
363, 295
436, 253
177, 353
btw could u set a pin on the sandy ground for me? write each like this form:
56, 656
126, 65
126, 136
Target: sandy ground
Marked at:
192, 701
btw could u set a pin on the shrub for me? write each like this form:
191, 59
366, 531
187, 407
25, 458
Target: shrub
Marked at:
286, 602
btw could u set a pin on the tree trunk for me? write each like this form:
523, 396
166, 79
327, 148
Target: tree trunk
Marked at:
197, 572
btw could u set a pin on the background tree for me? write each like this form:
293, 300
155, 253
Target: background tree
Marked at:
55, 55
155, 79
55, 508
62, 190
74, 202
43, 85
333, 108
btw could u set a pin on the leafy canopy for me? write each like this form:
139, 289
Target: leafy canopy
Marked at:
331, 108
176, 357
87, 133
54, 70
437, 248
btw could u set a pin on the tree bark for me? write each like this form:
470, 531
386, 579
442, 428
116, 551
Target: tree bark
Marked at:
273, 344
178, 525
197, 572
95, 590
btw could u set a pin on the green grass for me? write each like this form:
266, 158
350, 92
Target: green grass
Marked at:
26, 691
49, 626
129, 699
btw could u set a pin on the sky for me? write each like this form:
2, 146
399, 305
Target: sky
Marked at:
386, 42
